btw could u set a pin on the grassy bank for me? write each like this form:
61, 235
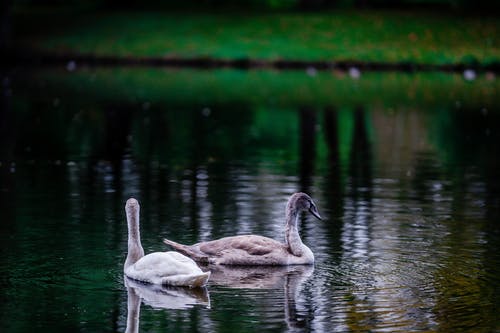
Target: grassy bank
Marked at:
372, 36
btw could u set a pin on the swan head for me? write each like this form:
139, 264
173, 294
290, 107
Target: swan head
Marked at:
131, 203
132, 209
302, 202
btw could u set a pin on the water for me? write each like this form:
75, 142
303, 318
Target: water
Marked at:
408, 188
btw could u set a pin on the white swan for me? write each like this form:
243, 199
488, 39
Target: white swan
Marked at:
166, 268
258, 250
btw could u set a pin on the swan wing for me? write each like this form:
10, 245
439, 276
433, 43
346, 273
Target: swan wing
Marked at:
245, 250
251, 244
167, 263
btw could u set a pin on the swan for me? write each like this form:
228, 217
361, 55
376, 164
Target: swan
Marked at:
258, 250
162, 268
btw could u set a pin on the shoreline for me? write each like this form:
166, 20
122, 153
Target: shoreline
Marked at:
71, 60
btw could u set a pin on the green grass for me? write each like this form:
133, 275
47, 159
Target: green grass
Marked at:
346, 35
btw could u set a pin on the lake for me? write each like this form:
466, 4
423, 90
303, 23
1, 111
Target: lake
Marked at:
404, 169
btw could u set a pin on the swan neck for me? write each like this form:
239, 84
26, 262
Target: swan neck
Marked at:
292, 237
135, 250
134, 235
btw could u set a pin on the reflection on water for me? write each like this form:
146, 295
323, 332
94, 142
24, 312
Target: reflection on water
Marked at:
274, 292
159, 297
167, 297
258, 277
410, 195
133, 310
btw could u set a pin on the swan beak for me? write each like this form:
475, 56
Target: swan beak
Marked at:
314, 211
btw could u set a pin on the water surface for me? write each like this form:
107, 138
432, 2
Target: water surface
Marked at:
403, 168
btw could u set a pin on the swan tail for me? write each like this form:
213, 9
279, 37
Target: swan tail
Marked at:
188, 251
200, 280
188, 280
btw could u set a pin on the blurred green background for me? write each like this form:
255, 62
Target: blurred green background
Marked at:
407, 32
401, 158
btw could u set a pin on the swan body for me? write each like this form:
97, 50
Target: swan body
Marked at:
163, 268
258, 250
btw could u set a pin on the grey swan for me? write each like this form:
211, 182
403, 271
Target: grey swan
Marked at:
161, 268
258, 250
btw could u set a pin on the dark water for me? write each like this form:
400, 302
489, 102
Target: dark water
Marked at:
408, 187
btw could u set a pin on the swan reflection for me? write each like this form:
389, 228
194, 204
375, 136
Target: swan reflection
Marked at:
259, 277
288, 278
160, 297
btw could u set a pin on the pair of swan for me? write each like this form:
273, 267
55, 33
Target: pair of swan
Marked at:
176, 269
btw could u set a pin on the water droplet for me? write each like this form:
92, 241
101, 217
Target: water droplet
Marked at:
469, 74
206, 112
71, 66
354, 72
311, 71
